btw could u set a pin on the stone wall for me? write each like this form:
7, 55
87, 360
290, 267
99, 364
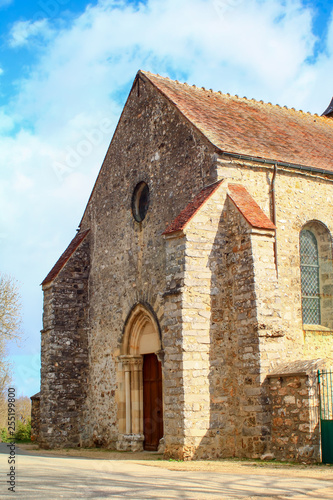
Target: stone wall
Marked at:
241, 312
65, 352
318, 343
35, 417
296, 206
173, 397
154, 145
295, 432
254, 317
192, 250
226, 316
228, 328
235, 268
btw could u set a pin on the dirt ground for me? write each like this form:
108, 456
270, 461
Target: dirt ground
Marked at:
154, 459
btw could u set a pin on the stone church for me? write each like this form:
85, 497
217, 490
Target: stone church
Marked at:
193, 308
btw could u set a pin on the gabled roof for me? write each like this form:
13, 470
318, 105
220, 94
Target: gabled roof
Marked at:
249, 208
179, 223
252, 128
74, 244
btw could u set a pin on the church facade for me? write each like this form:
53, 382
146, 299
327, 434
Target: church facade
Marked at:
194, 306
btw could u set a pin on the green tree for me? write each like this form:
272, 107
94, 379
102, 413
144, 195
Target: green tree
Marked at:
23, 431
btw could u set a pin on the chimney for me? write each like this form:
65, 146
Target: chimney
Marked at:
329, 111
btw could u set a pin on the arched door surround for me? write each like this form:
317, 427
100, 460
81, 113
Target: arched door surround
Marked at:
141, 337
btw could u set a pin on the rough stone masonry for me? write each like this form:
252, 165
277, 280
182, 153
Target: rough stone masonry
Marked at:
201, 269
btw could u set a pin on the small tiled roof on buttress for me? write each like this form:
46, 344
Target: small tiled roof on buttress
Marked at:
248, 207
74, 244
252, 128
179, 223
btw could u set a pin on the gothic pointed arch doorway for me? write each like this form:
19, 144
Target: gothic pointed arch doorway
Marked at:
140, 408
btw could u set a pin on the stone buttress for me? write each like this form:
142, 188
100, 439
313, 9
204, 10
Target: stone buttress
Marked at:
65, 347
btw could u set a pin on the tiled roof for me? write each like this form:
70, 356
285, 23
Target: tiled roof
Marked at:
248, 207
252, 128
191, 209
65, 256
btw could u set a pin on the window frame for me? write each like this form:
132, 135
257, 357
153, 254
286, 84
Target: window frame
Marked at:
310, 277
325, 256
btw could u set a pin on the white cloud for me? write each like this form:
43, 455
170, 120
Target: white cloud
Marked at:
6, 121
106, 45
23, 31
255, 48
252, 48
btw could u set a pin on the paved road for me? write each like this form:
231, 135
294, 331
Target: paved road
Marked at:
52, 478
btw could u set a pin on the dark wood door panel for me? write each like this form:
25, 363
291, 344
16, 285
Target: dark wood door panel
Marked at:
152, 402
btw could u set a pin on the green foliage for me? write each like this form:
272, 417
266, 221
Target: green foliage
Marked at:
23, 431
4, 438
23, 418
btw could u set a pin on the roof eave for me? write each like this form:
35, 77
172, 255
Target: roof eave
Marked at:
271, 161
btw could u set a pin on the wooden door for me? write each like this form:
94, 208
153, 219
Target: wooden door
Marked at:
152, 402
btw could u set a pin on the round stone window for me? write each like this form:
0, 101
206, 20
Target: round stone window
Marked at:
140, 201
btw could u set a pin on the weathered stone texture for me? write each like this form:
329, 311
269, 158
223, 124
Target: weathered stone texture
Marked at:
35, 417
295, 431
144, 148
65, 352
296, 206
238, 402
228, 308
174, 398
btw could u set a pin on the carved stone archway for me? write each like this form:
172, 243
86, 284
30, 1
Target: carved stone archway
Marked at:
141, 336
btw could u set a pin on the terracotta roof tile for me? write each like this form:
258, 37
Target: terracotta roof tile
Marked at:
253, 128
249, 208
191, 209
74, 244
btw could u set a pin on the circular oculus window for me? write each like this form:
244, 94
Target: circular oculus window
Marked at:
140, 201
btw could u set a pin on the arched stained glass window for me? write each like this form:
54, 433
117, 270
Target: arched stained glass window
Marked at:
310, 278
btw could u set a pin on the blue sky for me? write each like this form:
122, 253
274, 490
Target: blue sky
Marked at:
66, 67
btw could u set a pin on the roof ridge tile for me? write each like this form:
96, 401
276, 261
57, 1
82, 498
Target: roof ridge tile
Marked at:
228, 94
